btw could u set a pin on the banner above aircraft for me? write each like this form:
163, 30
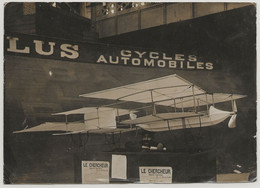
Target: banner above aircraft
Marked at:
86, 52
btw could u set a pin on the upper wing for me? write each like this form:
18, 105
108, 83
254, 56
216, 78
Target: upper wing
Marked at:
168, 91
200, 100
164, 88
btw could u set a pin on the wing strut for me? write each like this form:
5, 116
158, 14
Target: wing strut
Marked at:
182, 105
207, 103
175, 105
168, 125
183, 123
194, 98
136, 133
213, 99
200, 121
66, 121
198, 104
153, 104
119, 139
98, 117
117, 114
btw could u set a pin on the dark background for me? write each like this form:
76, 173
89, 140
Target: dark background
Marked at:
31, 95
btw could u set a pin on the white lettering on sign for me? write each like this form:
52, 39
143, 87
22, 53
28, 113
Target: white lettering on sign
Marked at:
84, 52
69, 51
155, 59
95, 172
39, 46
66, 50
13, 46
126, 53
155, 174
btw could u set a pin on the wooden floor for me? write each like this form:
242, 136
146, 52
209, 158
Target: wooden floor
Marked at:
232, 178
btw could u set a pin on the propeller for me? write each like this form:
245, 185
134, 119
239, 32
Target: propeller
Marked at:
232, 121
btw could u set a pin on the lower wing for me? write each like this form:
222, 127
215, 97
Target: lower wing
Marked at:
74, 128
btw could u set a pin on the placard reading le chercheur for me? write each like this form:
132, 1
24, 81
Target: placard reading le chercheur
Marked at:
95, 172
155, 174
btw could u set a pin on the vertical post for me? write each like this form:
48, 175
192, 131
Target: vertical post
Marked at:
194, 98
213, 99
200, 121
175, 105
77, 166
232, 103
183, 123
98, 117
182, 105
136, 131
66, 120
77, 158
154, 108
119, 139
165, 13
117, 112
225, 6
139, 19
168, 125
207, 102
198, 105
193, 10
116, 20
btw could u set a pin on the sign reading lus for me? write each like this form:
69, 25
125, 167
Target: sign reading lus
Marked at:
155, 174
95, 172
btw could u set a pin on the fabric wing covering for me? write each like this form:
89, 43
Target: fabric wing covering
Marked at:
160, 117
72, 128
96, 120
200, 100
102, 117
168, 91
55, 126
163, 88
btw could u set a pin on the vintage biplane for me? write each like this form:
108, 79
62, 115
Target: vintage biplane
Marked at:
182, 99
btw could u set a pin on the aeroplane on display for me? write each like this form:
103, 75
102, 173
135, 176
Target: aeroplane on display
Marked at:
184, 99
